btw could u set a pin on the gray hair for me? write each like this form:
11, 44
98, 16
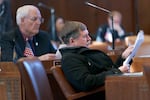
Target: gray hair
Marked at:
71, 29
23, 12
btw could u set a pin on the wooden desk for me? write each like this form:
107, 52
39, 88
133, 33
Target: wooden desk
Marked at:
144, 50
138, 63
127, 88
11, 87
141, 58
10, 82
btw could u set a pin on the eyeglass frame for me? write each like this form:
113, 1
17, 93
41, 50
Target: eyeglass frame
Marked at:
41, 19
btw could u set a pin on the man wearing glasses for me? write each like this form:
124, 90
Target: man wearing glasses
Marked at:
27, 39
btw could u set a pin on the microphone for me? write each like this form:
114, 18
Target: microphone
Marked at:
109, 12
52, 10
52, 19
44, 6
95, 6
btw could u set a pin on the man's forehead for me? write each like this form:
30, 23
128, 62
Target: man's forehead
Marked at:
34, 12
84, 32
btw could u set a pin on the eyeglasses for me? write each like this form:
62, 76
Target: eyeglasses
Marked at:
36, 18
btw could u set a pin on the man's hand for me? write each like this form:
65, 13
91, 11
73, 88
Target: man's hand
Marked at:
48, 56
124, 69
127, 52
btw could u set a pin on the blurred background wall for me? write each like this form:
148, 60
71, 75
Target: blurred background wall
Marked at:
135, 12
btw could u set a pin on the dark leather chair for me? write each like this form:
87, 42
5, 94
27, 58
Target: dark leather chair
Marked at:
34, 79
68, 91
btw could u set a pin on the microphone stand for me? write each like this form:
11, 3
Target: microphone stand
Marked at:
52, 19
53, 24
109, 12
112, 31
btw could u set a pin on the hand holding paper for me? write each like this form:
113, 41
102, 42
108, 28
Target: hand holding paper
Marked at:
137, 44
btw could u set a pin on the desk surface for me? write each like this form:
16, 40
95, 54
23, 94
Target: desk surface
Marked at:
138, 63
127, 88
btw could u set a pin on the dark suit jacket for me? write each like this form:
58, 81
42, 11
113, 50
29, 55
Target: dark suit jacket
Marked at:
86, 69
13, 43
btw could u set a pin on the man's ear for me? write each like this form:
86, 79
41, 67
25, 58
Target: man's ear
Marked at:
71, 40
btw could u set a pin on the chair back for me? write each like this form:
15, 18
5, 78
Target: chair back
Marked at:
35, 80
69, 92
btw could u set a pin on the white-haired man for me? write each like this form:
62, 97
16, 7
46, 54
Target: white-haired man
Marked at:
13, 44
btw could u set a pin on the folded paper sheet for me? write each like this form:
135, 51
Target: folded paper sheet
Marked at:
137, 44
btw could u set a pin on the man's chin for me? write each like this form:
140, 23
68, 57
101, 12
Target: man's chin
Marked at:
88, 43
36, 32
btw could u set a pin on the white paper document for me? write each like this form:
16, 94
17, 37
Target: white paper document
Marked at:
137, 44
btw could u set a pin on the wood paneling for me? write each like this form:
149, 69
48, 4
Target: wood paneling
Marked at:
11, 87
144, 15
127, 88
77, 10
125, 7
10, 82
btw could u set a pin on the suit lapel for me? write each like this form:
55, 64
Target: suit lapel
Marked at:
19, 44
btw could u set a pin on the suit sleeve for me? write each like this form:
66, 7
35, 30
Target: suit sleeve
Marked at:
120, 61
7, 46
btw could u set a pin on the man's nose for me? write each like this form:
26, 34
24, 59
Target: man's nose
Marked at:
38, 21
89, 38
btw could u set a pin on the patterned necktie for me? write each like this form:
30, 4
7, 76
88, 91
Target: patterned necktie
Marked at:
28, 50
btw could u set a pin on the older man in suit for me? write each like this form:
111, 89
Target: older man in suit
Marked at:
27, 39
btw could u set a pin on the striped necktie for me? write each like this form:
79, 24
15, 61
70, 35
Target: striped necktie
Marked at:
28, 50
